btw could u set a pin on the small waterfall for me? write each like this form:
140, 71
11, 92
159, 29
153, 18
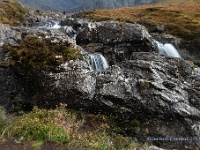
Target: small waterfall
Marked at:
167, 49
48, 25
98, 61
56, 25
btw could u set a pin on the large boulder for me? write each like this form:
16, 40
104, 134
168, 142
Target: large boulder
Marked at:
117, 41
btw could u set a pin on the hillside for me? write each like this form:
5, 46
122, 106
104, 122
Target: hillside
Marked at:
55, 5
104, 4
174, 1
79, 5
181, 20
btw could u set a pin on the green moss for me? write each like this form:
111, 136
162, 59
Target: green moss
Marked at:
144, 84
135, 123
38, 125
62, 126
17, 107
38, 53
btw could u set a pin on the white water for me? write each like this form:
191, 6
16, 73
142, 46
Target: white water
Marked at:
49, 25
98, 61
167, 49
56, 25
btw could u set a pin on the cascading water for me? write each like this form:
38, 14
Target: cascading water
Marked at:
98, 61
56, 25
48, 25
167, 49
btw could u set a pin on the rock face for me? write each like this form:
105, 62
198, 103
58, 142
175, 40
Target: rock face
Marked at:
117, 42
156, 96
8, 35
162, 93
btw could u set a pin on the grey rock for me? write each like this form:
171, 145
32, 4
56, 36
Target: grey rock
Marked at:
162, 93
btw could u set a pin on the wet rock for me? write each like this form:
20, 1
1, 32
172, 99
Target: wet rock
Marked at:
117, 42
162, 93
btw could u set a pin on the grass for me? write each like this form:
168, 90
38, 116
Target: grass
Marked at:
39, 125
181, 20
62, 126
12, 12
39, 53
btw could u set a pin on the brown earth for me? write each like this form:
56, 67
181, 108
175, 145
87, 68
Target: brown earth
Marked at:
26, 145
12, 144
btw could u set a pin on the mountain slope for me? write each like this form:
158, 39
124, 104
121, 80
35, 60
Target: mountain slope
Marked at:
103, 4
55, 5
182, 21
174, 1
78, 5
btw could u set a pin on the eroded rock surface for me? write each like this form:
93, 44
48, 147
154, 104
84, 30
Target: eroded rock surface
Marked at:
156, 96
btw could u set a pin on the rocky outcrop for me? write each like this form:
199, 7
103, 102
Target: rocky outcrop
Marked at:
161, 93
153, 96
116, 41
9, 35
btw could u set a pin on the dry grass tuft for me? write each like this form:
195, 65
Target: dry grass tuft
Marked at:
12, 12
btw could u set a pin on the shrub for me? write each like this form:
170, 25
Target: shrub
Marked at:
37, 53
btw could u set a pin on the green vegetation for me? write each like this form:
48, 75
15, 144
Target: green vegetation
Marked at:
60, 125
38, 125
3, 119
39, 53
12, 12
135, 123
144, 84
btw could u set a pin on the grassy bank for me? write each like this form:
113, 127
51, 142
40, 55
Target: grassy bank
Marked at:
74, 129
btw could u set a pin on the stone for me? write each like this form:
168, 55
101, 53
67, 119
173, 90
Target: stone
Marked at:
161, 92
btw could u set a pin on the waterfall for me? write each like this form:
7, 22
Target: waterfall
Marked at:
48, 25
56, 25
98, 61
167, 49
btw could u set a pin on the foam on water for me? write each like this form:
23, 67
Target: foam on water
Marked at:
167, 49
98, 61
48, 25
